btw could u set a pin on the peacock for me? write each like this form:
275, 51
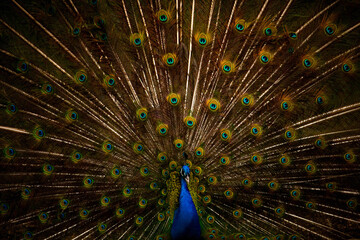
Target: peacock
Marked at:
179, 119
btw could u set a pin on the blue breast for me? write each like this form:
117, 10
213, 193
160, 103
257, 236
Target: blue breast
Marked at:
186, 220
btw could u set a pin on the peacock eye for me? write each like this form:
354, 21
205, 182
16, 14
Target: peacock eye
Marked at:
264, 59
307, 63
329, 30
245, 101
202, 41
346, 68
284, 105
111, 81
163, 18
227, 68
293, 35
12, 108
319, 100
82, 78
240, 27
288, 134
268, 31
170, 61
137, 41
76, 31
174, 100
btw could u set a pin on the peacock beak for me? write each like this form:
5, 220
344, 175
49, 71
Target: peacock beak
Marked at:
187, 179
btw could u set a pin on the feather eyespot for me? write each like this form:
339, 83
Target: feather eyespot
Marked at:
139, 220
76, 157
26, 193
142, 203
105, 201
28, 235
115, 172
163, 16
256, 202
9, 152
265, 57
210, 219
84, 213
39, 133
310, 167
93, 2
80, 77
173, 99
170, 59
120, 212
247, 100
284, 160
102, 227
43, 217
273, 186
229, 194
256, 159
347, 67
22, 66
11, 108
225, 135
256, 130
144, 171
162, 157
308, 62
247, 183
349, 157
310, 205
351, 203
109, 81
279, 211
293, 35
290, 134
107, 147
268, 31
190, 122
212, 180
161, 217
127, 191
88, 182
199, 152
71, 115
4, 208
227, 67
162, 129
64, 203
138, 148
224, 160
295, 194
237, 213
198, 171
47, 169
47, 89
213, 104
330, 29
178, 143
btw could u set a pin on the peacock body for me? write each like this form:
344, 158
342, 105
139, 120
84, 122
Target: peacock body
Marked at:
162, 119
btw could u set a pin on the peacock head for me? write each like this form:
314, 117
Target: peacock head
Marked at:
185, 173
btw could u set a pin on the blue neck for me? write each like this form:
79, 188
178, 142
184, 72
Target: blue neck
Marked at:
186, 221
